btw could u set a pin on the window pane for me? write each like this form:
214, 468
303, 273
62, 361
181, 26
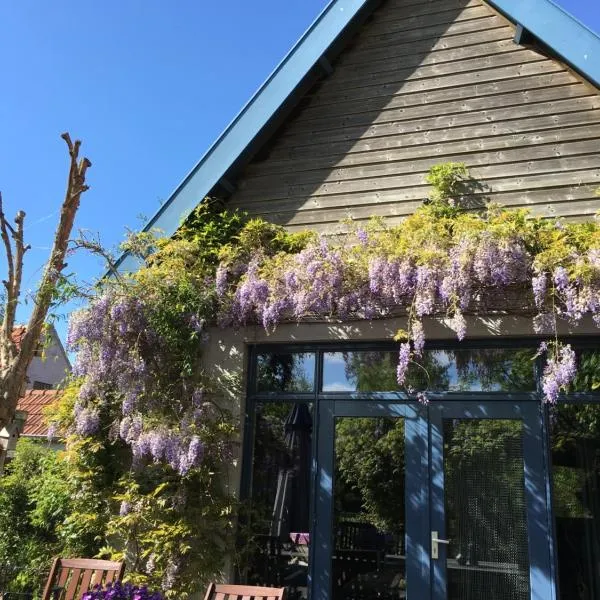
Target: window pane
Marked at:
576, 499
369, 509
588, 372
286, 372
486, 517
489, 370
277, 538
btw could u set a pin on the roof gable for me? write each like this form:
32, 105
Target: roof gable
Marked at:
301, 68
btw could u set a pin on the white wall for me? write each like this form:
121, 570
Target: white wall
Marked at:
52, 367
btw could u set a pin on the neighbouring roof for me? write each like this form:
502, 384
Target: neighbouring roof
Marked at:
34, 402
309, 60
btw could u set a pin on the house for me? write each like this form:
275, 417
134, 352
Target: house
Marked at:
34, 402
366, 492
48, 368
50, 364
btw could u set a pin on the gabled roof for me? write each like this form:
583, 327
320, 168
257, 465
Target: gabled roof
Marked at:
34, 402
18, 333
309, 60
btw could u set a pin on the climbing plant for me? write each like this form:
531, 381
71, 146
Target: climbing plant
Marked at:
150, 431
440, 261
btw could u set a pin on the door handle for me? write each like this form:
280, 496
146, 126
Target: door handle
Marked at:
435, 540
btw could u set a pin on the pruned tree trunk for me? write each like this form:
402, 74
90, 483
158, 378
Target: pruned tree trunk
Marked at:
14, 360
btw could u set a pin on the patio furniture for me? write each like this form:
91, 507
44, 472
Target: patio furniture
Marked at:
218, 591
71, 577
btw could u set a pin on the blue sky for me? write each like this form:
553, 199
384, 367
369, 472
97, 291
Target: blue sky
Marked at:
146, 84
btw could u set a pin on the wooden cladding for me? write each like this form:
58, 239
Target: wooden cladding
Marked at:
425, 83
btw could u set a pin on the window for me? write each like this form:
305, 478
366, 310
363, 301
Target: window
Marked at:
41, 385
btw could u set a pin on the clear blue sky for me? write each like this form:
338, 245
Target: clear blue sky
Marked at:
146, 84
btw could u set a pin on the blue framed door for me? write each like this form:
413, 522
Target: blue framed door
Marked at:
488, 502
351, 557
471, 472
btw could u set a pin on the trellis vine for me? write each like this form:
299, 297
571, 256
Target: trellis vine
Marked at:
139, 343
441, 260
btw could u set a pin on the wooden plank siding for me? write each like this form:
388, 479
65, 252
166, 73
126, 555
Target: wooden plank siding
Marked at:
424, 83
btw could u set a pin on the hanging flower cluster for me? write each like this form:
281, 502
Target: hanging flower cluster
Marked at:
125, 367
439, 261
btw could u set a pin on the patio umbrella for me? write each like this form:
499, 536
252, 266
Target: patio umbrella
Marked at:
290, 510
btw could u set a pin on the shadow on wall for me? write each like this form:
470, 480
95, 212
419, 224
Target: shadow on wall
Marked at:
344, 135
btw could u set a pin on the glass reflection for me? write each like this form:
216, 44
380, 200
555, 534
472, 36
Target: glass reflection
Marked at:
291, 372
278, 540
369, 508
588, 372
575, 437
487, 369
486, 522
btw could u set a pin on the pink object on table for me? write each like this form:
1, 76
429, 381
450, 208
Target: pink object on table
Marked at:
300, 538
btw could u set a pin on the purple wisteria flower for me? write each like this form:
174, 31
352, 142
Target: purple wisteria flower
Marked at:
426, 290
458, 324
403, 362
539, 283
125, 508
87, 420
221, 280
543, 322
418, 337
559, 372
423, 398
121, 591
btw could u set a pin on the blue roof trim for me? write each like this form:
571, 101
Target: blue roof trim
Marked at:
575, 43
571, 40
237, 136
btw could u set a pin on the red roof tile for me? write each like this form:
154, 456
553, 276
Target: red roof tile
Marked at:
34, 401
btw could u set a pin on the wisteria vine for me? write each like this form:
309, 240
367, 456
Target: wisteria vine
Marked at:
440, 261
122, 358
139, 343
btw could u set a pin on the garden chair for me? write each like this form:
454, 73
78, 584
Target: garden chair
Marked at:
218, 591
71, 577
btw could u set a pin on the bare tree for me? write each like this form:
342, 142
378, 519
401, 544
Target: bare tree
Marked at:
15, 359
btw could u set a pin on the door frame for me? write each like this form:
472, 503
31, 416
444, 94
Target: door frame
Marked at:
416, 494
534, 466
425, 498
546, 577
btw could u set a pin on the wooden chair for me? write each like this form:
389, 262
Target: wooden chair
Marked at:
70, 578
218, 591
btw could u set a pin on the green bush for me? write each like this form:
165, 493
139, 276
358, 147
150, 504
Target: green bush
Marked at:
34, 500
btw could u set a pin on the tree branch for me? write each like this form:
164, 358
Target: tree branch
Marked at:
14, 367
7, 347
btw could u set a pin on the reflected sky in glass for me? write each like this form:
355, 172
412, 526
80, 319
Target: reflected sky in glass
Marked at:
490, 370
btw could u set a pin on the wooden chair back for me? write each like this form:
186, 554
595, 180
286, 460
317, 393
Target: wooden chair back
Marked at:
70, 578
218, 591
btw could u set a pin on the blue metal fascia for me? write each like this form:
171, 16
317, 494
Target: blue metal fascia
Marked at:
253, 117
575, 43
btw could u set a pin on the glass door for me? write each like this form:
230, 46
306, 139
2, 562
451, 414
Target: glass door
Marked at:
372, 502
489, 531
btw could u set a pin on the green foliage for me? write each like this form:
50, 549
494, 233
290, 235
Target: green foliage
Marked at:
446, 180
370, 461
35, 498
261, 239
209, 228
